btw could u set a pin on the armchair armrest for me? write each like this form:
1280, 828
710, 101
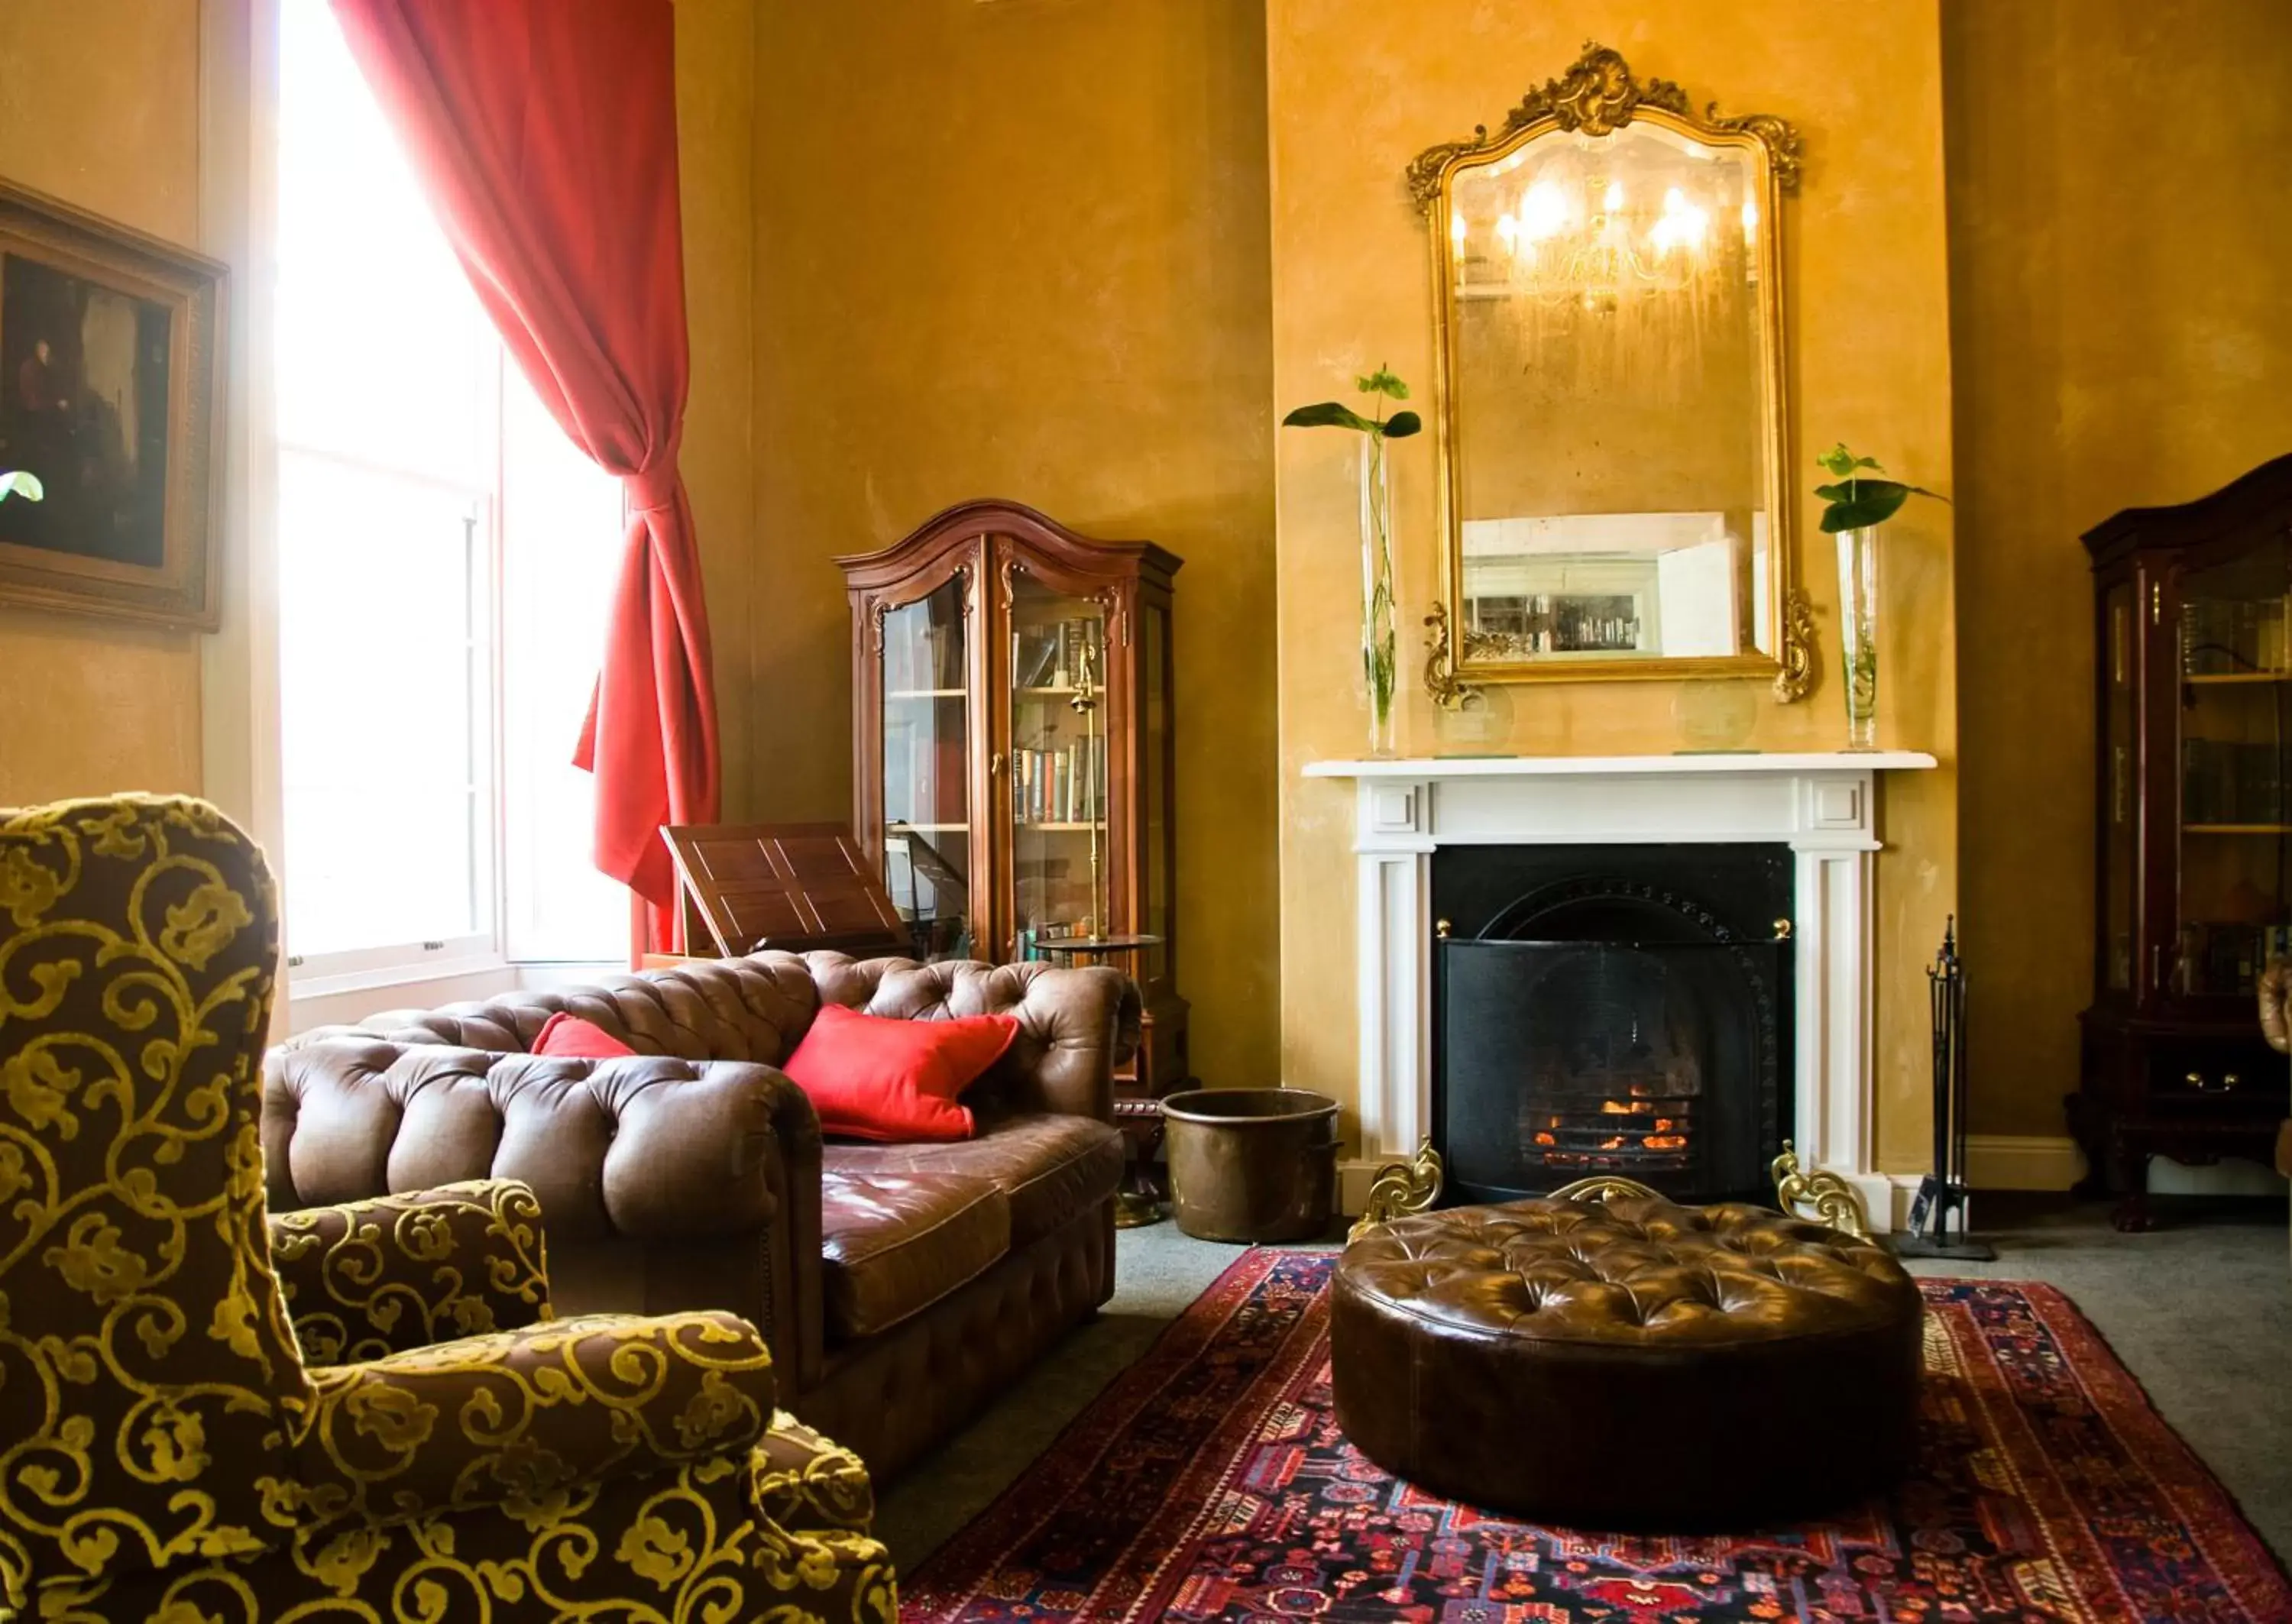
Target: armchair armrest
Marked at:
520, 1418
365, 1279
707, 1170
809, 1484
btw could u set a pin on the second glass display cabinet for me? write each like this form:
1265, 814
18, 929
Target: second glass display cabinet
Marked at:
2194, 831
1013, 750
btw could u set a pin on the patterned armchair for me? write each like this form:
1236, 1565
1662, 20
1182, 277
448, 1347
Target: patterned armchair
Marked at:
354, 1412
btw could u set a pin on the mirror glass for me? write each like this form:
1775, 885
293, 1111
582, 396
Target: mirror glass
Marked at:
1609, 362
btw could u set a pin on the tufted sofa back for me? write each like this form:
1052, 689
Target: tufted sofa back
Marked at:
758, 1008
148, 1374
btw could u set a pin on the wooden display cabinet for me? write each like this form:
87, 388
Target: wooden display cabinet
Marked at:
1013, 750
2193, 683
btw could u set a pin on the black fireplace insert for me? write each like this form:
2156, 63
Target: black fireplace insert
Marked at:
1621, 1010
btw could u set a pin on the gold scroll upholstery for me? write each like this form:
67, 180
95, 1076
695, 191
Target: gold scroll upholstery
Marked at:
518, 1418
165, 1454
366, 1278
143, 1344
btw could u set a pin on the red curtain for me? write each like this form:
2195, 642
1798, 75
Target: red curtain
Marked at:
544, 135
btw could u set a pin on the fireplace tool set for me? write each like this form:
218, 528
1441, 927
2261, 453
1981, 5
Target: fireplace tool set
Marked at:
1937, 1226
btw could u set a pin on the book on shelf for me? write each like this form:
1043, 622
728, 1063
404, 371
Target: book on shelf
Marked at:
2226, 637
2227, 781
1049, 655
1066, 784
1034, 658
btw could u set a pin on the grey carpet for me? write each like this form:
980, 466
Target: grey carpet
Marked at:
2201, 1311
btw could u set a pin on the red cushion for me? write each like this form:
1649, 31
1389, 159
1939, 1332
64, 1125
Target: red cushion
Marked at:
874, 1078
568, 1037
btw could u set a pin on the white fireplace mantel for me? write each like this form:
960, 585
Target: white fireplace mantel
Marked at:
1820, 804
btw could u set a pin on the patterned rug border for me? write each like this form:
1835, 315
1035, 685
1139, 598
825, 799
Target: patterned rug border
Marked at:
2121, 1399
1083, 1443
951, 1576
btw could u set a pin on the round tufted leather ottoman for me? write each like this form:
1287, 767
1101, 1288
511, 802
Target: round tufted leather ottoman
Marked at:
1633, 1363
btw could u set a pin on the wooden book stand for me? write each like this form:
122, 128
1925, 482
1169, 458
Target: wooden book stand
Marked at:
797, 886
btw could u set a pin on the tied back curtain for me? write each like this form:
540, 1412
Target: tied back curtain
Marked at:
544, 135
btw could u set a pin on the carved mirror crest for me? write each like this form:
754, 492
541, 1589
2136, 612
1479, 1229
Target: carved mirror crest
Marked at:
1608, 282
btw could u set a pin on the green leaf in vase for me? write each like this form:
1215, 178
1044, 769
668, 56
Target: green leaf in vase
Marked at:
1843, 462
1863, 502
1382, 381
1400, 425
1329, 414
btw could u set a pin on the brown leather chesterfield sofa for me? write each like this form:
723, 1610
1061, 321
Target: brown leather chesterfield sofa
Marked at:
360, 1412
900, 1286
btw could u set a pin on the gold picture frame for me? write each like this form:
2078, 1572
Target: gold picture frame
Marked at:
1597, 97
111, 381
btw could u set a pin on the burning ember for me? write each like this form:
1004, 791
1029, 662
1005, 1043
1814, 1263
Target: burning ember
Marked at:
1575, 1128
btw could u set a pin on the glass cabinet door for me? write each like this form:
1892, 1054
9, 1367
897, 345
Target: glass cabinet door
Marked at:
1061, 866
926, 720
2120, 841
1158, 839
2235, 684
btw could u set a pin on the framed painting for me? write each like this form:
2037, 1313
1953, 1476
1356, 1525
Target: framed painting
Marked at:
111, 398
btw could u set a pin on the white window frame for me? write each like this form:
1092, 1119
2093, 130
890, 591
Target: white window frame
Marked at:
351, 969
242, 762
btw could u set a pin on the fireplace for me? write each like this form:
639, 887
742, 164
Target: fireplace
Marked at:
1411, 815
1622, 1010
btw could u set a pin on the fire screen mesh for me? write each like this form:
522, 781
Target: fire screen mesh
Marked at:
1610, 1024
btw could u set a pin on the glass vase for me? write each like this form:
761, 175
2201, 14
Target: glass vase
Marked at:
1858, 632
1379, 669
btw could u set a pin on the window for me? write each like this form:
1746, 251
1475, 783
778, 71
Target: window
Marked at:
446, 556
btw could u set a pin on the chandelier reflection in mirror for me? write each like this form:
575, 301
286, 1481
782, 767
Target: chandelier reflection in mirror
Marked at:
1625, 255
1611, 390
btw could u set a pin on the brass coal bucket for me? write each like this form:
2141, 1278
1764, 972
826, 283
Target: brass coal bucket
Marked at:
1252, 1164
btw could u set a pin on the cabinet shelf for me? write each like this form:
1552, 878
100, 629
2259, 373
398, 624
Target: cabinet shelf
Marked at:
905, 826
2236, 828
2243, 679
927, 694
1056, 826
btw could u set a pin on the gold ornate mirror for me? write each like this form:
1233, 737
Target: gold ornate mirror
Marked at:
1608, 279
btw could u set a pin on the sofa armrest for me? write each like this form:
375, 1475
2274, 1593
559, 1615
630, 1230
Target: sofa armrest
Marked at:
365, 1279
518, 1419
1075, 1025
688, 1160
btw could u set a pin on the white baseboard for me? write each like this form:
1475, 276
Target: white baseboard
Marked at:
2022, 1161
1353, 1179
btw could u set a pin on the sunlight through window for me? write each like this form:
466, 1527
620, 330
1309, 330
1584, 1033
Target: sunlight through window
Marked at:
446, 557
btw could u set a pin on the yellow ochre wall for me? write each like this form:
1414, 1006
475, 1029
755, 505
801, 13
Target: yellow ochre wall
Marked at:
716, 153
100, 106
1356, 89
2121, 224
1019, 250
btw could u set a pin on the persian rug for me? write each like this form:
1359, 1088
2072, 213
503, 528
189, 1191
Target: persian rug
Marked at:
1210, 1482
